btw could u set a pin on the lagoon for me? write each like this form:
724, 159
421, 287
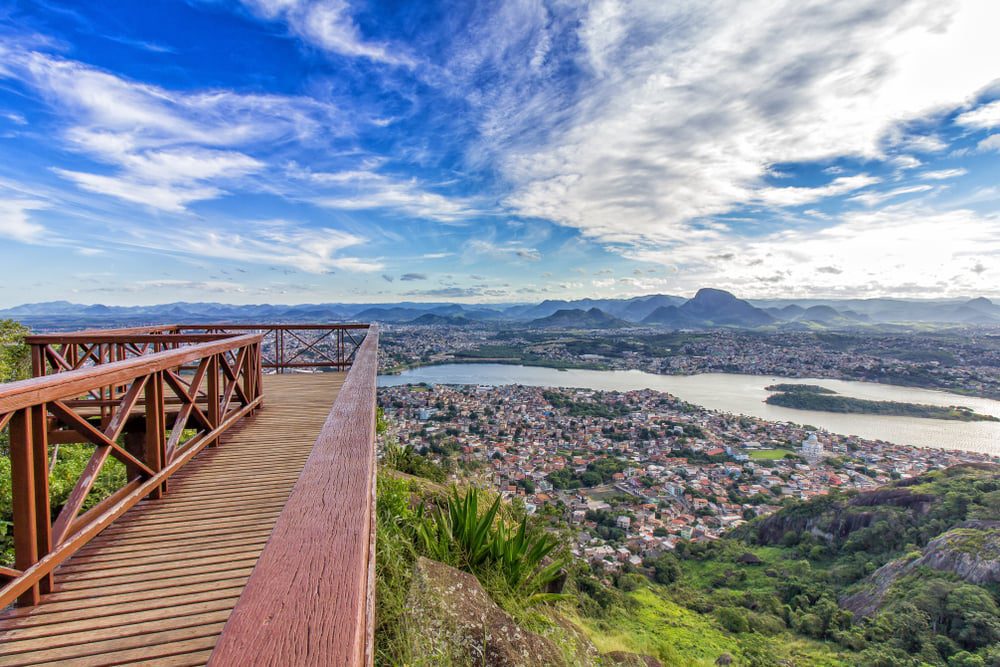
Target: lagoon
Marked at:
745, 394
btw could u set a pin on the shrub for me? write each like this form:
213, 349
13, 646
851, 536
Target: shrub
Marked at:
733, 619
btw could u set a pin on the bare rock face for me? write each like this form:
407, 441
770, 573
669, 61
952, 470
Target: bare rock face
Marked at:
454, 621
971, 551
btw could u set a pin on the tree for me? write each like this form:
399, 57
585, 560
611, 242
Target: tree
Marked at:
966, 659
15, 363
973, 617
666, 569
15, 356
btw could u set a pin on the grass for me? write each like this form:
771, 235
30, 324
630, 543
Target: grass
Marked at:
769, 454
661, 628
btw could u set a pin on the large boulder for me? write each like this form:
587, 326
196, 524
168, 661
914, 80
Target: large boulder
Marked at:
451, 619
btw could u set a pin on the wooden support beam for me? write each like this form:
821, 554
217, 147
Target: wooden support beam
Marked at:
155, 426
22, 474
40, 463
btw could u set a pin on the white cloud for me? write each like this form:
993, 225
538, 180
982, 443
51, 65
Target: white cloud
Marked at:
14, 220
15, 118
796, 196
990, 143
327, 24
984, 117
873, 198
163, 196
169, 148
901, 250
700, 99
906, 162
943, 174
364, 190
273, 242
507, 251
602, 32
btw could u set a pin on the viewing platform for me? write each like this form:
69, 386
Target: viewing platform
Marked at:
245, 532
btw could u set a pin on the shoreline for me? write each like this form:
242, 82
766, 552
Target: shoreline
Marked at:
509, 361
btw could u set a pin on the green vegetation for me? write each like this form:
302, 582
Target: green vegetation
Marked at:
815, 553
804, 397
598, 472
791, 387
770, 454
514, 561
593, 407
791, 588
67, 462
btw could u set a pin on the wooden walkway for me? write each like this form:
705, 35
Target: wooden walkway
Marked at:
157, 586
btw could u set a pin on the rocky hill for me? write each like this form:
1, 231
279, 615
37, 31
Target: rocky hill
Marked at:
710, 308
576, 318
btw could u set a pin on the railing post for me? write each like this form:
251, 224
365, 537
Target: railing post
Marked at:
340, 349
214, 388
135, 444
260, 371
37, 360
43, 513
22, 477
279, 349
155, 429
248, 373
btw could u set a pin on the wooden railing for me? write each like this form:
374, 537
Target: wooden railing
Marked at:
310, 598
151, 410
290, 347
284, 347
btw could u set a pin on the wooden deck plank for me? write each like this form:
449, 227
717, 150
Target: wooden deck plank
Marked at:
157, 586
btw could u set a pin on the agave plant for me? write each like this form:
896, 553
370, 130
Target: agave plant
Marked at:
484, 541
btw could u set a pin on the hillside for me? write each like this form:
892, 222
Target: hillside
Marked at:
710, 307
907, 575
576, 318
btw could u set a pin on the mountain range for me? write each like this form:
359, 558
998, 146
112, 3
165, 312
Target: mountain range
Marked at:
707, 309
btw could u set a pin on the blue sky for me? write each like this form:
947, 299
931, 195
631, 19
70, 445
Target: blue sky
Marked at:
335, 150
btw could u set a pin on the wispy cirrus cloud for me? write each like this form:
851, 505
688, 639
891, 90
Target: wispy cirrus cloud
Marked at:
506, 250
329, 25
166, 148
983, 117
797, 196
359, 190
943, 174
874, 198
15, 219
695, 102
274, 242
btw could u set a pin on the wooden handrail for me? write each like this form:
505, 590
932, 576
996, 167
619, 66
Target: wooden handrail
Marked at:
263, 326
286, 346
309, 600
34, 391
116, 337
34, 409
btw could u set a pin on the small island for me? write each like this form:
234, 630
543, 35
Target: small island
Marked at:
815, 397
788, 387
